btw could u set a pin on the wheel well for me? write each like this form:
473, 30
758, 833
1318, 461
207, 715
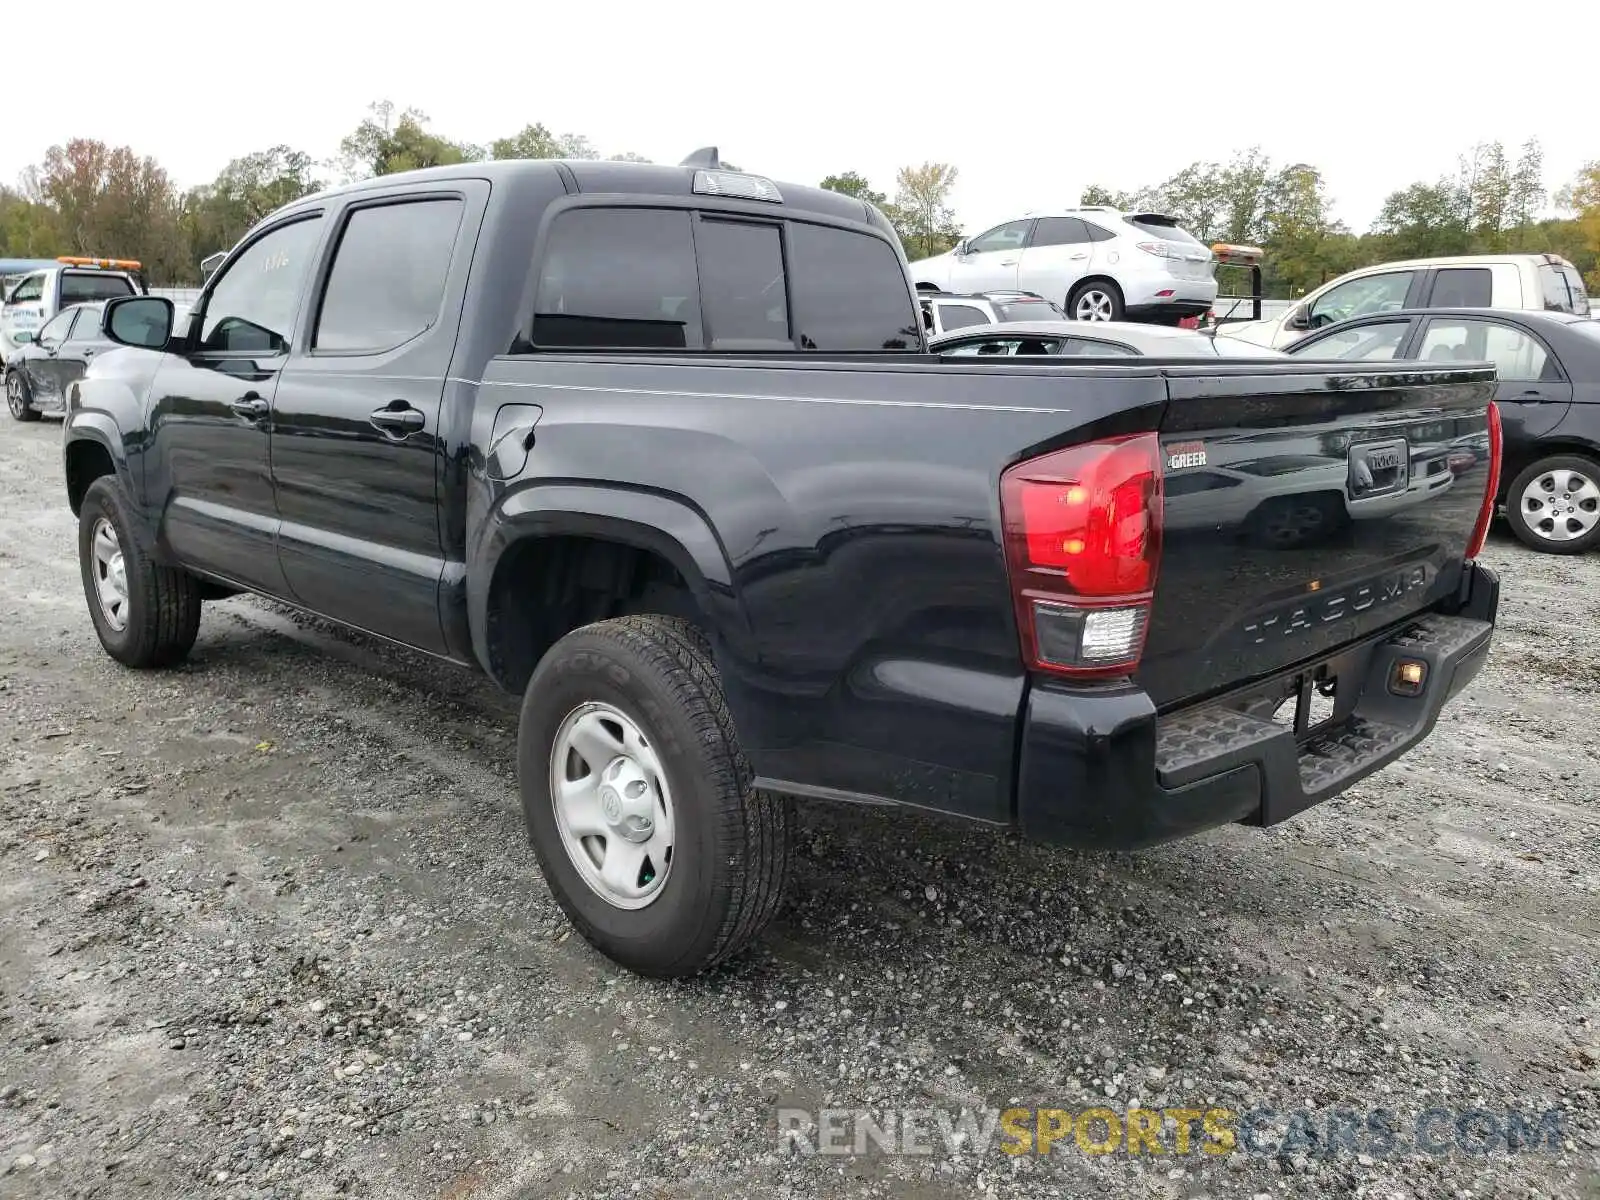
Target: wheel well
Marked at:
545, 587
86, 462
1102, 279
1520, 460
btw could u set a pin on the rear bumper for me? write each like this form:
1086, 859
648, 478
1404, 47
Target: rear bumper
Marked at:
1100, 769
1166, 308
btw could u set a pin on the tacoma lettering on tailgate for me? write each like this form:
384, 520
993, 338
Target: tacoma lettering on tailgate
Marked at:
1320, 608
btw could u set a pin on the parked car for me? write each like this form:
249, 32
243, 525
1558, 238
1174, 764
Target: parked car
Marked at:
1548, 366
661, 450
44, 366
1099, 264
1114, 338
40, 295
1532, 282
942, 312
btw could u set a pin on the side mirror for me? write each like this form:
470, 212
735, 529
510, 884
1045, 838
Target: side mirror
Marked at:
960, 248
22, 337
1299, 319
210, 263
144, 322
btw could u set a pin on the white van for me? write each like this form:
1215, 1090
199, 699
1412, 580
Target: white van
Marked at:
39, 295
1536, 281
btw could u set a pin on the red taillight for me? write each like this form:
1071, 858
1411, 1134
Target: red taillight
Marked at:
1083, 539
1480, 531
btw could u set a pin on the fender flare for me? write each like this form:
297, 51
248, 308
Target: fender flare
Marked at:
658, 522
99, 428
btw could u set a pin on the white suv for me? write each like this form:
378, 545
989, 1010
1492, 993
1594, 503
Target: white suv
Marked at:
1097, 263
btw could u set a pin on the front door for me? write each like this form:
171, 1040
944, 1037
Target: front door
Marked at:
44, 368
990, 263
356, 441
208, 473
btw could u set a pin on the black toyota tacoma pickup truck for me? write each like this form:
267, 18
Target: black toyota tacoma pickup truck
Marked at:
661, 450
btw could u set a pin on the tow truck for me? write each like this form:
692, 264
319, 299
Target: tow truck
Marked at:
1229, 254
38, 294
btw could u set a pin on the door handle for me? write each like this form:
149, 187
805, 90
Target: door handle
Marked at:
399, 418
250, 406
1008, 262
1532, 397
88, 352
1076, 257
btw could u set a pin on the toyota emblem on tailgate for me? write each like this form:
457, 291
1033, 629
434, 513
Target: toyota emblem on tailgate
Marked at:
1378, 468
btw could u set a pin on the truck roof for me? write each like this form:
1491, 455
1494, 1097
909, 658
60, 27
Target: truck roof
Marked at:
620, 178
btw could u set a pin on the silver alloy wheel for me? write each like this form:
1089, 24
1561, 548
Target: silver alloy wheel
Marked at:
1561, 505
14, 397
612, 805
1094, 305
110, 574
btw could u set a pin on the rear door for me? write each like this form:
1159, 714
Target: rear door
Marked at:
990, 263
1058, 254
1533, 391
78, 351
1334, 518
355, 435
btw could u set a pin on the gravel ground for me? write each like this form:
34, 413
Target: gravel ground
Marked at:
272, 928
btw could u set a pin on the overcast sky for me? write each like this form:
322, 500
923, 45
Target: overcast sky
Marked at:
1031, 102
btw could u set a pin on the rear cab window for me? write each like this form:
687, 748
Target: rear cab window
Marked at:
82, 287
961, 316
640, 278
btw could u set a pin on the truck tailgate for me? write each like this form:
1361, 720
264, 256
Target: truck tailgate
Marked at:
1307, 506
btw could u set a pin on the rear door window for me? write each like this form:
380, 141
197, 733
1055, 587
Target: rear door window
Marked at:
1463, 287
79, 287
1058, 231
388, 277
1516, 354
619, 278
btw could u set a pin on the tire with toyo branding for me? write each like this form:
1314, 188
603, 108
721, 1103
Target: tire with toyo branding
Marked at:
639, 802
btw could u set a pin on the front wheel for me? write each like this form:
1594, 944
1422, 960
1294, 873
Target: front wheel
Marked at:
1095, 301
19, 398
1554, 505
146, 615
639, 801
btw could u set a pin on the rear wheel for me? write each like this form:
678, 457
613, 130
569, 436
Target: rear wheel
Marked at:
1554, 505
146, 615
639, 801
1097, 300
19, 397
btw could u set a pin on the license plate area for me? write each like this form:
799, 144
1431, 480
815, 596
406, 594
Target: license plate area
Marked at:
1379, 468
1311, 700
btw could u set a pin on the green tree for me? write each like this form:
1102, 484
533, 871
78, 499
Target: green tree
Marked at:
109, 202
853, 183
217, 214
1582, 196
385, 143
535, 141
923, 216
